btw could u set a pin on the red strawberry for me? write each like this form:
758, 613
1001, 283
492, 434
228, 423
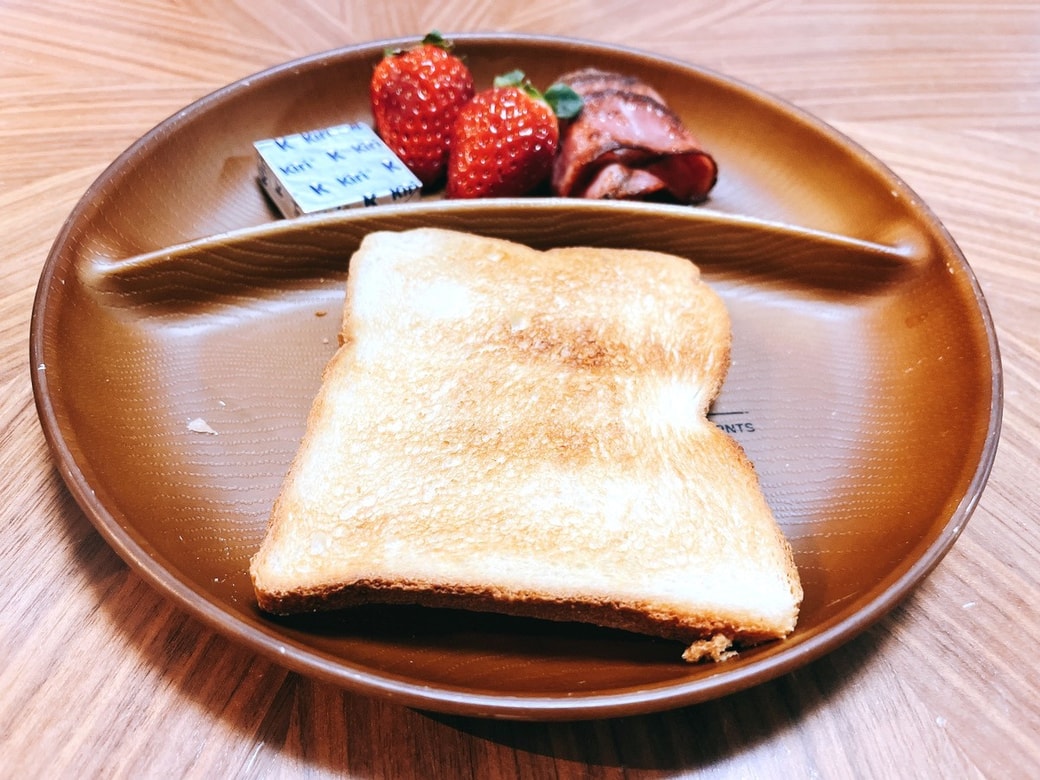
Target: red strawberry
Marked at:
416, 95
506, 137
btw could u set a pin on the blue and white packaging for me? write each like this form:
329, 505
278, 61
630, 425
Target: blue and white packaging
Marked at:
342, 167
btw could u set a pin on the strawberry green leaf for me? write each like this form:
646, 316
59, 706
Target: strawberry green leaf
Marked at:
434, 38
565, 102
514, 78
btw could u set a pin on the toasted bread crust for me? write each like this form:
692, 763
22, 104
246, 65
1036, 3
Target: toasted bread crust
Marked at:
638, 618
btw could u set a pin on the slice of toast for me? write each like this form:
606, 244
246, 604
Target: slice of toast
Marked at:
525, 432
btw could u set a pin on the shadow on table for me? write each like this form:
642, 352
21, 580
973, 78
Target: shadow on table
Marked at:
698, 736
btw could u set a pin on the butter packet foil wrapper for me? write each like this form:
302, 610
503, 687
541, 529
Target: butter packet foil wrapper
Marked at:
342, 167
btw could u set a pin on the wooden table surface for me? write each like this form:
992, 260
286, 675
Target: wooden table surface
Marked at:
102, 677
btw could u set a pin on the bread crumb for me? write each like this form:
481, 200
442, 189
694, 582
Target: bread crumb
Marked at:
198, 425
718, 648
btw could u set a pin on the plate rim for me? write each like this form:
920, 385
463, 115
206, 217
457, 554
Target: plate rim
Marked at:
364, 680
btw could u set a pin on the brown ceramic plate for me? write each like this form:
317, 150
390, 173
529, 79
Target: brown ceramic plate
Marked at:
865, 383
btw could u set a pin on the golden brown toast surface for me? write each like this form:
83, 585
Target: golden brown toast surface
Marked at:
526, 432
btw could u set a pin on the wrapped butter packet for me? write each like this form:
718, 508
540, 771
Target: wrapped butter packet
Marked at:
341, 167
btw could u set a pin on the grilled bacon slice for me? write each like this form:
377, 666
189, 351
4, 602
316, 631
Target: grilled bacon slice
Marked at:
627, 144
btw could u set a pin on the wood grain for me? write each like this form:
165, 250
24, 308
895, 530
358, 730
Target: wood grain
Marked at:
101, 676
